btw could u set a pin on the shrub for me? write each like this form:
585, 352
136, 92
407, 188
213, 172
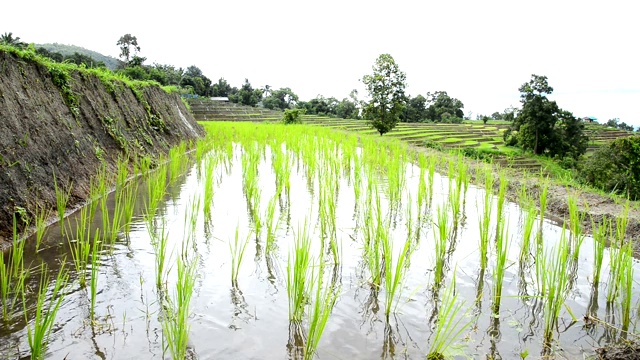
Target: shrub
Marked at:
615, 167
292, 116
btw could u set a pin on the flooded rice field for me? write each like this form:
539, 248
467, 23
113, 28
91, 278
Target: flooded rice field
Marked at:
272, 242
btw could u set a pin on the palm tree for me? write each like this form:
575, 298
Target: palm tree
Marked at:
8, 39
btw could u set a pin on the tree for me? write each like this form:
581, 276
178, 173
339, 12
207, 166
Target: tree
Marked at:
247, 95
615, 167
127, 43
194, 78
416, 110
281, 99
8, 39
542, 126
221, 88
440, 103
386, 89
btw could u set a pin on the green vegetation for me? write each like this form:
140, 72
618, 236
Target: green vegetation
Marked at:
386, 88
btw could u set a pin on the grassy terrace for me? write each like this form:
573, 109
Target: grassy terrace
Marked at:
470, 134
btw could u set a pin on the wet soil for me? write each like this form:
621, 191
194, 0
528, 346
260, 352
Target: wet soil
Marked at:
627, 351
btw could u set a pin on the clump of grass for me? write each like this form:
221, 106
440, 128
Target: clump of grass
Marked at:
600, 234
96, 249
502, 245
39, 330
80, 247
319, 310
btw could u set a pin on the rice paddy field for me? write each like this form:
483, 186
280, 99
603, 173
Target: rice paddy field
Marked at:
268, 241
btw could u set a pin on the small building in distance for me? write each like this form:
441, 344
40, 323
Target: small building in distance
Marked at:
589, 119
220, 98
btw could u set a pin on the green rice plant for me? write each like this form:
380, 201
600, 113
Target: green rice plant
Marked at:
175, 323
626, 285
144, 164
159, 240
575, 222
97, 189
271, 224
529, 220
39, 329
209, 172
237, 249
600, 234
556, 279
62, 200
80, 247
177, 161
502, 248
126, 201
299, 273
96, 249
502, 192
394, 276
543, 207
441, 235
451, 323
42, 214
156, 190
319, 310
422, 182
375, 234
12, 277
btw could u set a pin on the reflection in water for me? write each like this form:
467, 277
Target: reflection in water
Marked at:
240, 309
295, 345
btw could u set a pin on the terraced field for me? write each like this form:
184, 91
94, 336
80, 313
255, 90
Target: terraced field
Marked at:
446, 136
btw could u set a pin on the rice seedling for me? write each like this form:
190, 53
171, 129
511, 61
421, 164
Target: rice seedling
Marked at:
626, 284
126, 201
159, 242
600, 234
156, 189
451, 323
62, 200
271, 224
375, 235
39, 329
502, 245
96, 249
394, 276
529, 220
319, 310
575, 222
441, 235
556, 279
543, 206
237, 249
299, 271
175, 323
209, 169
42, 214
502, 192
80, 247
12, 276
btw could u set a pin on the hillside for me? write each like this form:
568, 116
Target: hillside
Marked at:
67, 50
57, 119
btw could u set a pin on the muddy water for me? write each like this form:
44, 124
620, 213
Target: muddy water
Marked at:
251, 321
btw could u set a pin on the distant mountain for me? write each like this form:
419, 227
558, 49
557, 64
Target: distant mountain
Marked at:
67, 50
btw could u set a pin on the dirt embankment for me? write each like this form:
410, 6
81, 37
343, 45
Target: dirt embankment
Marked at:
47, 129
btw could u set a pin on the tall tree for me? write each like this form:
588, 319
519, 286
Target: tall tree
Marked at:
542, 126
416, 110
386, 89
128, 44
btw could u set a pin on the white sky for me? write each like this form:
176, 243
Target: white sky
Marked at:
478, 51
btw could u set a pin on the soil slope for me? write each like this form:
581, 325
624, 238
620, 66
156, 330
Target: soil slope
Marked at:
42, 133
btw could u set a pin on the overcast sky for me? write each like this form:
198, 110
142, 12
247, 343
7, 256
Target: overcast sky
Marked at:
478, 51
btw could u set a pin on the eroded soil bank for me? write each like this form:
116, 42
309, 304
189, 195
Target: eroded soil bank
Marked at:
70, 128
